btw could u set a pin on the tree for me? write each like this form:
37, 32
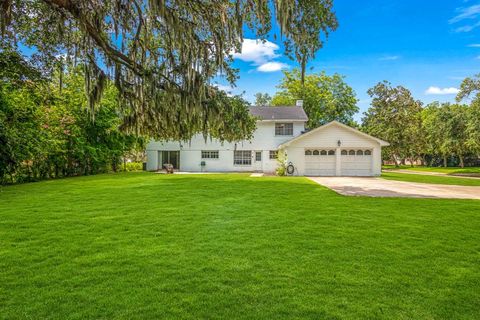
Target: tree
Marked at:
325, 98
46, 131
162, 55
262, 99
395, 116
445, 128
19, 114
470, 88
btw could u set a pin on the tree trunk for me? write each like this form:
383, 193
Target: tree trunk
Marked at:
396, 161
445, 161
461, 161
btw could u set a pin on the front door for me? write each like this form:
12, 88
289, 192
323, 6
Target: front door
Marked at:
171, 157
258, 161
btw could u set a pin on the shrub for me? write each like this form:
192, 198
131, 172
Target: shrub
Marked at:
132, 166
281, 163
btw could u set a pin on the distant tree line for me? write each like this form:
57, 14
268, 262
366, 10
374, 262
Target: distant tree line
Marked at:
445, 134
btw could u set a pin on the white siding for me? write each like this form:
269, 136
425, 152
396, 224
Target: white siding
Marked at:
264, 140
328, 138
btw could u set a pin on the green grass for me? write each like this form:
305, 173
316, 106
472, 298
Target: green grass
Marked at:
430, 179
149, 246
448, 170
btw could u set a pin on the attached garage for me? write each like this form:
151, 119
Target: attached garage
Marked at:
335, 149
320, 162
356, 162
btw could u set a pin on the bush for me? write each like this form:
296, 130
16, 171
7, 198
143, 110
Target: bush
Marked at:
132, 166
281, 164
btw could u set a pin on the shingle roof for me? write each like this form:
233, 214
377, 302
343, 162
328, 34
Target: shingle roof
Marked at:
279, 113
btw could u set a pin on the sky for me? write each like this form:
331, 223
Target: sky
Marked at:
427, 46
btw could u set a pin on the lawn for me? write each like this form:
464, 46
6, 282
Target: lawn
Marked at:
151, 246
430, 179
448, 170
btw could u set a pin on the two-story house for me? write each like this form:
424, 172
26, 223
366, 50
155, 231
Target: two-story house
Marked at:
330, 150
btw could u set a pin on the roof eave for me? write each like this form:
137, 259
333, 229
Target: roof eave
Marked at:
379, 141
283, 120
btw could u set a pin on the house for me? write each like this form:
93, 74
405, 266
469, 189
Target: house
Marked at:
333, 149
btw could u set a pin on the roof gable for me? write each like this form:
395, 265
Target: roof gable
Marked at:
341, 125
279, 113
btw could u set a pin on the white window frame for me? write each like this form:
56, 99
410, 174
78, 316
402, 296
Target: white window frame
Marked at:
281, 129
210, 155
242, 157
273, 154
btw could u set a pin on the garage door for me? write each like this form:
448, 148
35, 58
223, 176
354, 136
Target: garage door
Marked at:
356, 162
319, 162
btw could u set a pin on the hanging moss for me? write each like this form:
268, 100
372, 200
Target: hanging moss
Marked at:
162, 55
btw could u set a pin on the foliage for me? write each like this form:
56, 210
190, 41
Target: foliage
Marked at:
325, 98
132, 166
262, 99
149, 246
445, 128
440, 131
162, 55
394, 116
46, 130
281, 169
470, 88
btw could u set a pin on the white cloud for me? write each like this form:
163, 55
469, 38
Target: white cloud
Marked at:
468, 28
272, 66
441, 91
466, 13
257, 51
474, 45
390, 58
261, 54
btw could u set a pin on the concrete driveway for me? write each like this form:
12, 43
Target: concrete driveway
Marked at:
377, 187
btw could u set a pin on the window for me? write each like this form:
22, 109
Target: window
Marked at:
344, 152
210, 154
284, 129
331, 152
258, 155
316, 153
308, 152
323, 152
242, 157
273, 154
359, 152
351, 152
368, 152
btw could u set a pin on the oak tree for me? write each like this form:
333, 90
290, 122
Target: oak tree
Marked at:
162, 55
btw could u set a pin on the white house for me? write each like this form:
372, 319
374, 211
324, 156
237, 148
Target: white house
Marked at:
333, 149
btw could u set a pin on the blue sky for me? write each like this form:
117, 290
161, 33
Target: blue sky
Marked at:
415, 43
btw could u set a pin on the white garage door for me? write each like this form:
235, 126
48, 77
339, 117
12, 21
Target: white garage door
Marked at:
319, 162
356, 162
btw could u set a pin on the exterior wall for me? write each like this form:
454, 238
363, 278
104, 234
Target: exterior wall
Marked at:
328, 138
264, 140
